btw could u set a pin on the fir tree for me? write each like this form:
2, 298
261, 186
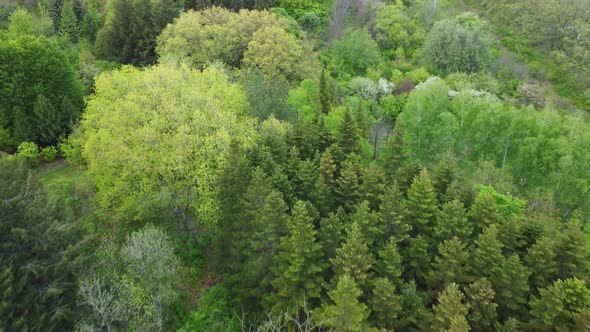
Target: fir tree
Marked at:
451, 221
444, 174
89, 26
47, 121
324, 94
347, 314
299, 263
487, 257
417, 259
368, 221
484, 211
328, 168
360, 118
482, 309
541, 260
332, 232
347, 132
385, 303
450, 313
353, 258
306, 178
511, 283
389, 264
450, 266
69, 22
422, 204
392, 214
394, 153
561, 306
372, 185
571, 255
348, 184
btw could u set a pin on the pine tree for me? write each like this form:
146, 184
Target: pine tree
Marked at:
450, 313
511, 284
417, 259
444, 174
360, 118
324, 94
348, 132
372, 185
69, 22
353, 258
89, 26
414, 315
451, 221
563, 305
482, 309
385, 303
299, 263
332, 232
541, 261
23, 126
347, 314
368, 221
322, 197
421, 204
487, 257
572, 257
328, 168
389, 264
306, 178
394, 153
47, 121
484, 211
348, 184
392, 214
450, 266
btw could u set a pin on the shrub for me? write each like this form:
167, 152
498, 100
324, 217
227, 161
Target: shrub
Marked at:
28, 152
48, 153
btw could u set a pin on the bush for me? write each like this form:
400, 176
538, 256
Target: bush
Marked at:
28, 152
48, 153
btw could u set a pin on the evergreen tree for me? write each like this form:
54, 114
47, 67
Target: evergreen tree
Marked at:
571, 252
47, 121
385, 303
322, 197
306, 179
422, 204
22, 130
541, 261
348, 184
372, 185
394, 153
450, 313
89, 26
348, 132
482, 309
389, 264
328, 168
450, 266
484, 211
487, 256
324, 94
347, 314
299, 263
414, 314
332, 232
360, 118
512, 289
69, 22
368, 221
392, 214
451, 221
353, 258
444, 174
417, 259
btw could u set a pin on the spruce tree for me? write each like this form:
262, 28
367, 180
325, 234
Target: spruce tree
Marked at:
372, 185
322, 197
511, 285
328, 168
346, 314
69, 25
306, 179
332, 232
385, 303
484, 211
487, 256
421, 204
89, 26
360, 118
348, 184
451, 221
353, 258
368, 221
299, 263
541, 261
394, 153
451, 265
348, 132
571, 252
47, 121
417, 259
324, 94
563, 305
450, 313
444, 174
389, 264
482, 308
392, 214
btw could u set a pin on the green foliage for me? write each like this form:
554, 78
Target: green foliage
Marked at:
455, 47
450, 311
482, 309
48, 153
214, 313
23, 22
267, 96
28, 152
559, 304
421, 204
69, 25
396, 30
353, 54
353, 258
40, 95
347, 313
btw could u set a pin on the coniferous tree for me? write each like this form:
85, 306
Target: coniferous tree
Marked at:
89, 26
306, 179
482, 309
487, 256
450, 266
348, 132
324, 94
444, 174
450, 313
47, 122
394, 153
511, 283
360, 119
368, 221
417, 259
392, 214
353, 258
451, 221
414, 314
348, 184
571, 255
328, 168
299, 263
347, 314
389, 264
385, 303
541, 261
69, 25
372, 185
484, 211
332, 232
421, 204
322, 197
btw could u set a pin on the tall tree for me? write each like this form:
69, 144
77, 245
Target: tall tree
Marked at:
389, 264
482, 309
299, 263
385, 303
450, 266
421, 204
451, 221
347, 314
324, 94
69, 25
541, 260
347, 132
450, 313
353, 258
392, 214
572, 255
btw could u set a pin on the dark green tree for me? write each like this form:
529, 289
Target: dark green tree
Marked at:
392, 214
385, 303
541, 261
389, 264
417, 259
324, 94
512, 289
421, 204
346, 314
347, 132
444, 174
394, 154
348, 184
482, 309
450, 313
487, 256
69, 26
372, 185
48, 124
451, 265
353, 258
299, 263
89, 26
571, 252
368, 221
451, 221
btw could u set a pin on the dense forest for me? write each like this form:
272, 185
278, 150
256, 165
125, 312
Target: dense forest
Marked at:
294, 165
